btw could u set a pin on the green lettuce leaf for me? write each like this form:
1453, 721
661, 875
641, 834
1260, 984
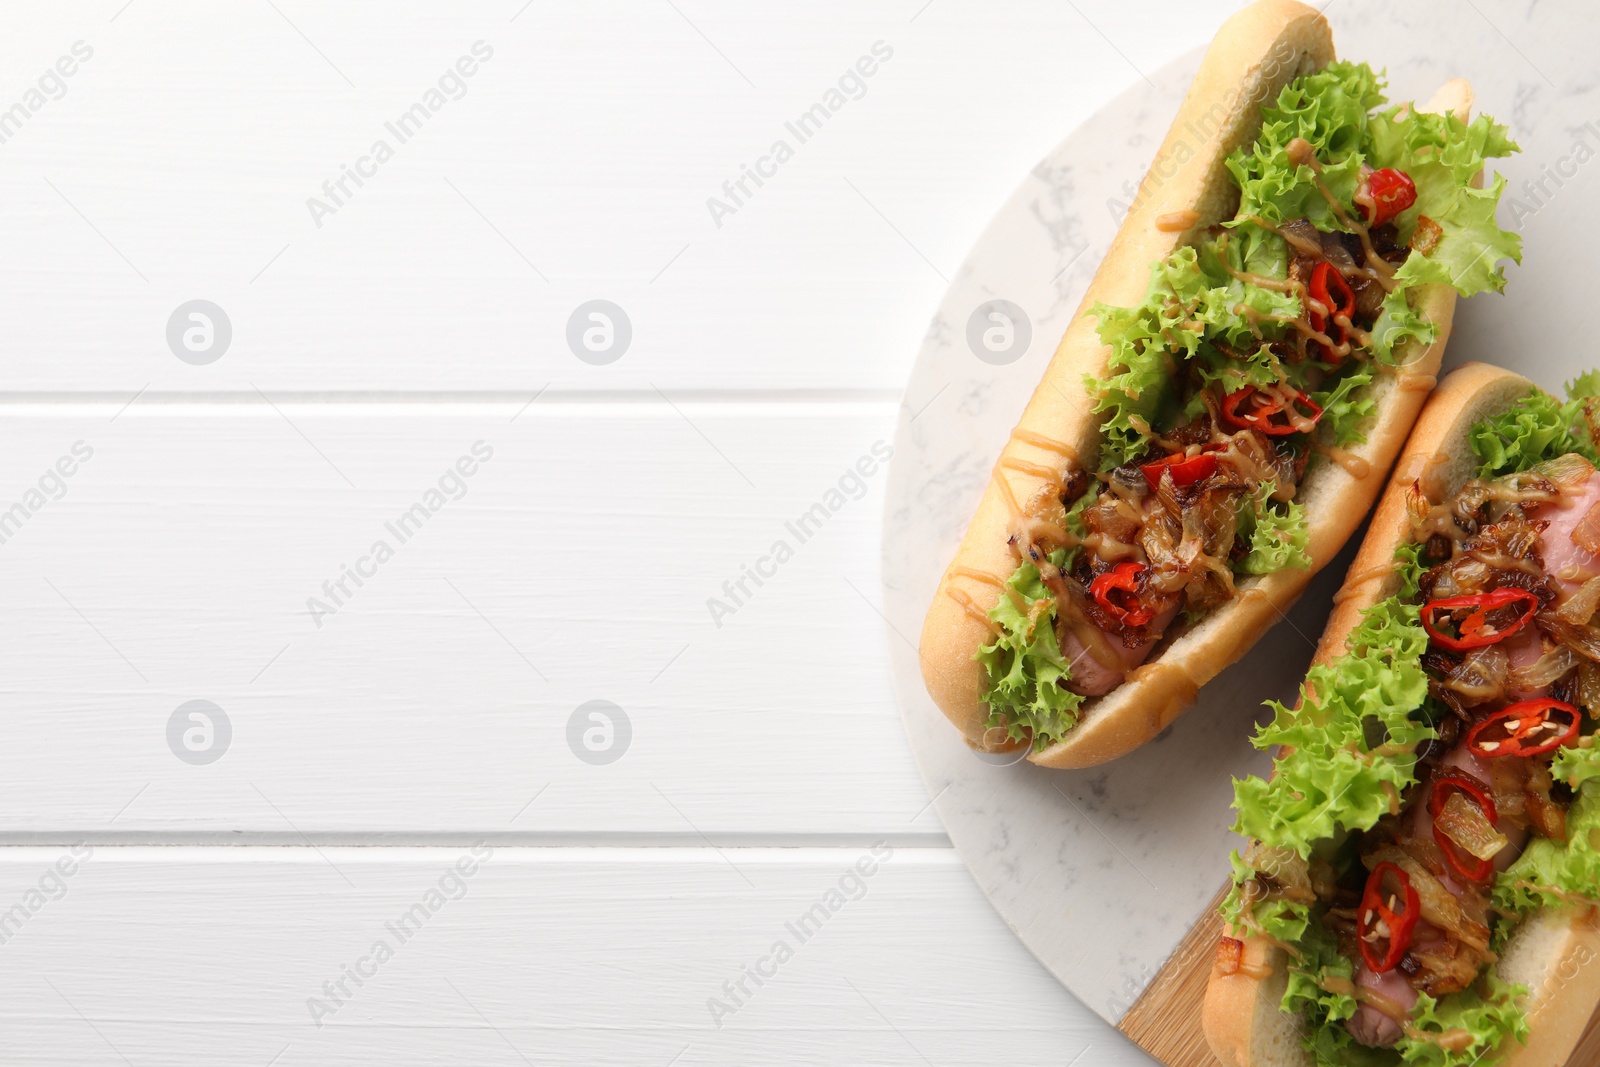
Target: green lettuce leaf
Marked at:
1576, 765
1192, 309
1548, 869
1442, 154
1191, 299
1398, 323
1491, 1018
1330, 109
1322, 1013
1409, 566
1344, 414
1279, 536
1468, 255
1333, 779
1283, 919
1024, 669
1539, 428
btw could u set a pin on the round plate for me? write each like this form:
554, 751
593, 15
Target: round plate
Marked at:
1101, 872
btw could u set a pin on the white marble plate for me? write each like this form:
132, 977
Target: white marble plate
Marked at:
1101, 872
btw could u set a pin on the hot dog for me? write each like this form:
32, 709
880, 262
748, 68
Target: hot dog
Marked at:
1422, 882
1222, 410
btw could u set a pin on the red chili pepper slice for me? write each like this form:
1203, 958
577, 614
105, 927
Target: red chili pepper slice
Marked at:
1465, 864
1185, 470
1252, 409
1380, 921
1117, 591
1524, 729
1475, 631
1391, 192
1329, 289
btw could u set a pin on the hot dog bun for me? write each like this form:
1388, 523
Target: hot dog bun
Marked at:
1256, 53
1556, 953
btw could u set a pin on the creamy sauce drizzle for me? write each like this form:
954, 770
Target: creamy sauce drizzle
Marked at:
1177, 221
972, 609
1049, 444
1354, 465
1377, 268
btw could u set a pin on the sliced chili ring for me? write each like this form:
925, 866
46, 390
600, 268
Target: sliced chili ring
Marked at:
1329, 288
1255, 409
1390, 192
1380, 922
1465, 864
1185, 470
1117, 593
1525, 728
1475, 630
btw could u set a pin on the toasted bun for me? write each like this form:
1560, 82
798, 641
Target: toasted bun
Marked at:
1556, 954
1256, 53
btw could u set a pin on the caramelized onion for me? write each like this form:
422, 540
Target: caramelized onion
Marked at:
1443, 968
1586, 535
1439, 906
1567, 472
1584, 640
1513, 536
1481, 675
1547, 818
1580, 606
1588, 695
1545, 672
1464, 823
1281, 868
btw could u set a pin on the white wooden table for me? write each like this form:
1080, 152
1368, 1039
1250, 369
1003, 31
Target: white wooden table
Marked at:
393, 833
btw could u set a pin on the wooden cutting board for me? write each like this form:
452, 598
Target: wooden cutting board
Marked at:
1165, 1021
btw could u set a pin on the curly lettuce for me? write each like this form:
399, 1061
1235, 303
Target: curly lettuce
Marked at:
1185, 305
1442, 155
1492, 1018
1025, 672
1329, 109
1536, 429
1576, 765
1334, 777
1345, 411
1278, 535
1197, 309
1333, 110
1549, 872
1488, 1011
1284, 919
1322, 1013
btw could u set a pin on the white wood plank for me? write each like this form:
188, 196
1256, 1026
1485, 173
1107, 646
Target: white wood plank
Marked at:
178, 564
204, 956
179, 161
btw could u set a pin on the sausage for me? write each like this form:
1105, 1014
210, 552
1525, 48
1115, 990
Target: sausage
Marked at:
1565, 561
1370, 1026
1092, 678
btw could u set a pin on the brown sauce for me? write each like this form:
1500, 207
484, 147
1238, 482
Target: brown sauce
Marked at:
1177, 221
1037, 470
978, 576
1377, 268
972, 609
1049, 444
1353, 584
1354, 465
